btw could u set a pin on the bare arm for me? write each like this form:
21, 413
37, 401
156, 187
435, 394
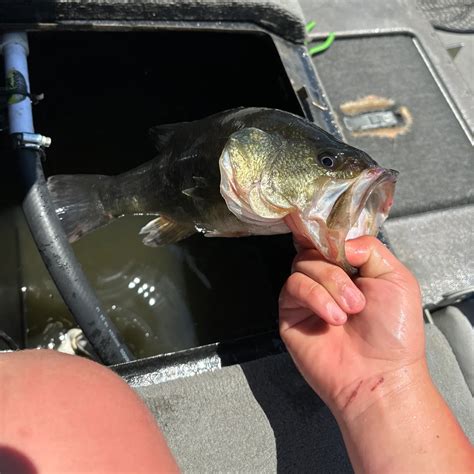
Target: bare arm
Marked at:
407, 428
366, 361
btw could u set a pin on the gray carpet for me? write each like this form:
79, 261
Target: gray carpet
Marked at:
262, 417
283, 17
435, 158
451, 15
438, 248
257, 417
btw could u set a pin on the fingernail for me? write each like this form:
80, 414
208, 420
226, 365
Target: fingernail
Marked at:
336, 313
352, 297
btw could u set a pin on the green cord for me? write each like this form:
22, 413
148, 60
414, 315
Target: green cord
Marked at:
310, 26
319, 48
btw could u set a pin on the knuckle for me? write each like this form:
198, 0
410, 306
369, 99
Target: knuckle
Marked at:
302, 288
335, 275
292, 286
305, 256
292, 281
312, 291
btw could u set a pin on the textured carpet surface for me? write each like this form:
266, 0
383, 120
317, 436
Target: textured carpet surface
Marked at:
256, 417
438, 248
262, 416
453, 15
435, 158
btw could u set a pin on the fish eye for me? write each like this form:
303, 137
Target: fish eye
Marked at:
327, 161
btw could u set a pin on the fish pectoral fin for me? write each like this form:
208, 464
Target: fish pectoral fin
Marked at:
162, 231
200, 190
192, 193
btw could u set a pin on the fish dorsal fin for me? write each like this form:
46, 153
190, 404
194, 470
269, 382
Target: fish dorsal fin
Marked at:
162, 135
162, 231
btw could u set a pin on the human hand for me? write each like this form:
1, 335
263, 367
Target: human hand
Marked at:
353, 340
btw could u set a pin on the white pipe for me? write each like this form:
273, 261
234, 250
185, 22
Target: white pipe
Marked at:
15, 51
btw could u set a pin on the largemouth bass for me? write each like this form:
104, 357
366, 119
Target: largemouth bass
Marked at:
246, 171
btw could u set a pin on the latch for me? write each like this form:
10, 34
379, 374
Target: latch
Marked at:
376, 116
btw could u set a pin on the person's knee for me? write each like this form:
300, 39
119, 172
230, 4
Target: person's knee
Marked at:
48, 379
49, 367
53, 403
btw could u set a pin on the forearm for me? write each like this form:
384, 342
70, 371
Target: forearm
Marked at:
400, 423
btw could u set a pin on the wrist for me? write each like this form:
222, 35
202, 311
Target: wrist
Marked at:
381, 392
401, 425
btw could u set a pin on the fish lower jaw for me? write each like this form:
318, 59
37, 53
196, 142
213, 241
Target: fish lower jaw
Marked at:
368, 215
314, 233
362, 212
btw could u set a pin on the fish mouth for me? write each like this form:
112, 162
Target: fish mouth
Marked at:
370, 200
345, 209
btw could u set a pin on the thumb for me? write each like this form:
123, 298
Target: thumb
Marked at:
372, 258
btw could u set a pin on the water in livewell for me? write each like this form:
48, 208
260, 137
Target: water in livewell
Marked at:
165, 299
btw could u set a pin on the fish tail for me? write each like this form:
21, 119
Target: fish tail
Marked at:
81, 202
